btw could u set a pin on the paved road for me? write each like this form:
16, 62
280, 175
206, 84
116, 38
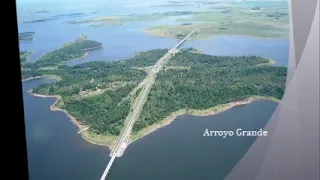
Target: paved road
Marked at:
123, 141
125, 135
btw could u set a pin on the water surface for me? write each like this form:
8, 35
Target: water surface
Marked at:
55, 150
175, 152
180, 152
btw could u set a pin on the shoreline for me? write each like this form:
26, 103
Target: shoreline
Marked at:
193, 112
53, 107
93, 48
73, 120
32, 78
75, 59
57, 78
271, 62
209, 37
148, 130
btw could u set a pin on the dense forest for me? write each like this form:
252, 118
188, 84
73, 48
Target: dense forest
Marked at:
92, 92
147, 58
68, 52
209, 81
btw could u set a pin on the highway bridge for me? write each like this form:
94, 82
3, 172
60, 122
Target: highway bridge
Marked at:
124, 139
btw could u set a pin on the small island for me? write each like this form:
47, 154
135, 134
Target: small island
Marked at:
77, 49
26, 36
42, 11
100, 95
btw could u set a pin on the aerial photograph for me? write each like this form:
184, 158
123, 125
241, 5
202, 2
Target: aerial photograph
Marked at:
148, 89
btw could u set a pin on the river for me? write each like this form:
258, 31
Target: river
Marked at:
178, 151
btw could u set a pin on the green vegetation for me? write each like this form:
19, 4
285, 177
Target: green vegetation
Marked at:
99, 21
26, 36
43, 18
120, 20
258, 20
71, 51
98, 110
207, 82
101, 94
24, 55
92, 92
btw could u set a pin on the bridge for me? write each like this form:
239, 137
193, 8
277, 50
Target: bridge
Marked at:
124, 139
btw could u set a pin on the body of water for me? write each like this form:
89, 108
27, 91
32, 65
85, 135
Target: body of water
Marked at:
121, 42
175, 152
55, 150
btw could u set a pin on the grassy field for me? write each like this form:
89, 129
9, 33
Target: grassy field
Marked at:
105, 140
266, 20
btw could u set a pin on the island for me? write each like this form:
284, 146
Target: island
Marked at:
42, 11
26, 36
99, 96
45, 15
77, 49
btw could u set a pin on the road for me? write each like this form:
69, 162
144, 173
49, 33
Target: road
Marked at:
146, 84
121, 144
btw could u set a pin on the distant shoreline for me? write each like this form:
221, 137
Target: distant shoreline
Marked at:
31, 78
58, 78
209, 37
93, 48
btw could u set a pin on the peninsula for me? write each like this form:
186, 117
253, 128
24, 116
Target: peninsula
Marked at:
100, 95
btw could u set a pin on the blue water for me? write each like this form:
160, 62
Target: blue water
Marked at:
175, 152
276, 49
121, 42
56, 151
